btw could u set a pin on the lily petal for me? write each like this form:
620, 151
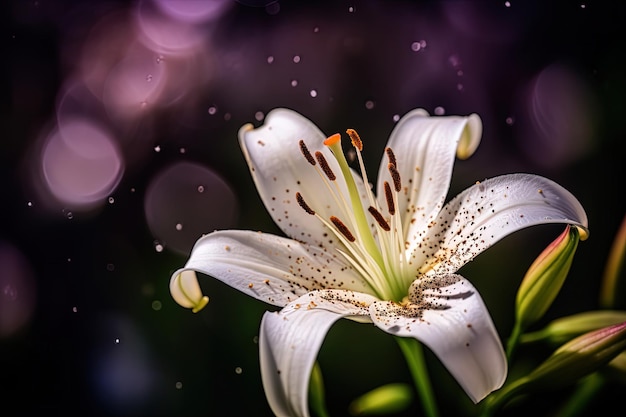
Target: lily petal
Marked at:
279, 170
291, 339
488, 211
448, 315
425, 148
269, 268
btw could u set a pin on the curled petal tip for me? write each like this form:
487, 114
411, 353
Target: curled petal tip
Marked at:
186, 291
470, 137
200, 304
582, 232
245, 128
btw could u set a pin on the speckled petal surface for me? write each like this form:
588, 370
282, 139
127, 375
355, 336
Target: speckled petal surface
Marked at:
291, 339
448, 315
488, 211
270, 268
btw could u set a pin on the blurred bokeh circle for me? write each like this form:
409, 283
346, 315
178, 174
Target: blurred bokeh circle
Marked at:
185, 201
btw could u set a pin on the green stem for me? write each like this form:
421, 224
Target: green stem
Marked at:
585, 392
513, 341
414, 355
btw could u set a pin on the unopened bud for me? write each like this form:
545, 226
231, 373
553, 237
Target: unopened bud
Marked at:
566, 328
545, 277
387, 399
582, 355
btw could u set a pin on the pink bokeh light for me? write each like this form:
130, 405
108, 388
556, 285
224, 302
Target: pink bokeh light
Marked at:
81, 164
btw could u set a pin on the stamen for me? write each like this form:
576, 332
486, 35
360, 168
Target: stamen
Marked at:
356, 140
304, 205
379, 218
324, 165
395, 176
391, 156
389, 196
342, 228
306, 153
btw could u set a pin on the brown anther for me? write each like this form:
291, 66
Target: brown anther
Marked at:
395, 176
379, 218
389, 196
306, 153
355, 138
342, 228
391, 156
303, 204
324, 165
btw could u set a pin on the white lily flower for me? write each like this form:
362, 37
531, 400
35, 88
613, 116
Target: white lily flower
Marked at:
389, 259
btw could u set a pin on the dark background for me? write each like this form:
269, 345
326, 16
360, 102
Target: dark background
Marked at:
87, 325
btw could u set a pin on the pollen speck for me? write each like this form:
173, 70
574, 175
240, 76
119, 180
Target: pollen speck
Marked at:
227, 248
250, 285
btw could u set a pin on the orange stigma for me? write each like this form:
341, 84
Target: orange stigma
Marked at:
332, 139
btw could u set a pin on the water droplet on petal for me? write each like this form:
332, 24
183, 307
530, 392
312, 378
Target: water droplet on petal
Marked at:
313, 93
369, 104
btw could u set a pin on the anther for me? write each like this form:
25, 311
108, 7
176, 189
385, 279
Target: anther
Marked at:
379, 218
395, 176
324, 165
391, 156
342, 228
303, 204
306, 153
356, 140
389, 196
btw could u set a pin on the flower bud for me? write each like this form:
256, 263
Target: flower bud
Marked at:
612, 288
317, 395
387, 399
581, 356
566, 328
545, 277
186, 291
572, 361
